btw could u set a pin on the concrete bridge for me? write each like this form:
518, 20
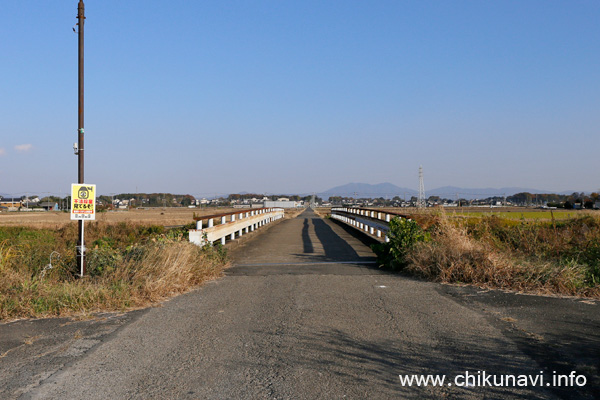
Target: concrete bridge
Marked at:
305, 313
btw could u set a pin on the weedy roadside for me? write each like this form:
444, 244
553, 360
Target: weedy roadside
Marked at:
129, 266
558, 256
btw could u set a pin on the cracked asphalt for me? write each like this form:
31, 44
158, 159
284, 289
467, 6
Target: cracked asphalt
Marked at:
304, 313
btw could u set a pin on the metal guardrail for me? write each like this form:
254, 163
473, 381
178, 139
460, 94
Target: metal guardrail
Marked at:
238, 224
372, 222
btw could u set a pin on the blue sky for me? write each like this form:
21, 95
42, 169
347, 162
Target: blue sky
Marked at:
300, 96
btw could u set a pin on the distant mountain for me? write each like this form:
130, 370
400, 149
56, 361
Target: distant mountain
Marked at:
367, 190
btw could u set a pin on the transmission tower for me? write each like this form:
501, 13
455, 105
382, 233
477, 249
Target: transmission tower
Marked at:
421, 201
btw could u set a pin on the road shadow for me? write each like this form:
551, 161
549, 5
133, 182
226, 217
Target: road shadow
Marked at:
306, 242
355, 233
568, 339
374, 365
334, 246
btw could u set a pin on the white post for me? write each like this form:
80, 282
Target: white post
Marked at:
199, 224
223, 240
82, 251
211, 222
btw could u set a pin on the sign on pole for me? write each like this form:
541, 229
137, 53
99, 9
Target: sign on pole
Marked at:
83, 201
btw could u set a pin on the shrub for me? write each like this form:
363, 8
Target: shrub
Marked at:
403, 234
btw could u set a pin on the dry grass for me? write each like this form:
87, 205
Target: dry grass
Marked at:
138, 268
150, 216
522, 260
293, 212
322, 212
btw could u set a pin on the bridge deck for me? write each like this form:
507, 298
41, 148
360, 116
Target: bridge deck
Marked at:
306, 244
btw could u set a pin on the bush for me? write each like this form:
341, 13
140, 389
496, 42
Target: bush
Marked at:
403, 234
102, 260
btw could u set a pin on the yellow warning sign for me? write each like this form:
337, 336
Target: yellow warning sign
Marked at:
83, 201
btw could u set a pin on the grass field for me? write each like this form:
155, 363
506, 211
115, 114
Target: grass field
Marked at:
522, 215
148, 216
507, 213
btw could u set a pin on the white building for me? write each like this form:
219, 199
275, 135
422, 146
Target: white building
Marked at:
281, 204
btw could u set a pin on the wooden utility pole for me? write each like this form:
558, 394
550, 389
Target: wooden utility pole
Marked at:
81, 242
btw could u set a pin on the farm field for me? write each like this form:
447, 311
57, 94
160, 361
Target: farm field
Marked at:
149, 216
511, 213
523, 214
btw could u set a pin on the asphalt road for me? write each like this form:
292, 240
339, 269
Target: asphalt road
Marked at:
306, 314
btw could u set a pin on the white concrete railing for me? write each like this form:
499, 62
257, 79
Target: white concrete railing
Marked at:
371, 222
238, 224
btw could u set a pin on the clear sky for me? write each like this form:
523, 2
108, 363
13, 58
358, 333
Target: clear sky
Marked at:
206, 97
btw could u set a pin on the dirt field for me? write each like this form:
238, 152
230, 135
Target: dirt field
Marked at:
156, 216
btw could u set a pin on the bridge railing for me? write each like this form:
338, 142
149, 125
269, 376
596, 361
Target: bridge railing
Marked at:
372, 222
232, 224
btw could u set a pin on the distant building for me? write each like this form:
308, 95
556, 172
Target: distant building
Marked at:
11, 203
49, 206
281, 204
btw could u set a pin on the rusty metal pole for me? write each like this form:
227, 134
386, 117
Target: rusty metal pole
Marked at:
81, 241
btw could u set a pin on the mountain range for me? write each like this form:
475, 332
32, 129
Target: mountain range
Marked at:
389, 190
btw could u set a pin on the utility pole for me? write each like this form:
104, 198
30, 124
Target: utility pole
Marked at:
80, 223
421, 200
